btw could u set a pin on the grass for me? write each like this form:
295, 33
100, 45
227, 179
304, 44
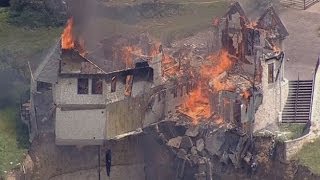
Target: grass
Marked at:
13, 140
292, 131
22, 44
309, 156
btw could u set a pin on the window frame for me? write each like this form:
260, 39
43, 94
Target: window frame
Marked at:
78, 86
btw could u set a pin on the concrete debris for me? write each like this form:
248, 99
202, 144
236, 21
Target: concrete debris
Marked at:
186, 142
224, 158
175, 142
194, 150
200, 176
193, 131
248, 158
214, 142
234, 160
182, 154
200, 145
163, 138
202, 167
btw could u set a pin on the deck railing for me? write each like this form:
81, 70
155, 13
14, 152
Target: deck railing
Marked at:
299, 4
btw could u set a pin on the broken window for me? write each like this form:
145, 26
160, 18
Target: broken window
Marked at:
96, 86
113, 84
271, 73
83, 86
253, 38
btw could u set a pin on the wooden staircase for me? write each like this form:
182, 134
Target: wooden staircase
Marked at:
297, 108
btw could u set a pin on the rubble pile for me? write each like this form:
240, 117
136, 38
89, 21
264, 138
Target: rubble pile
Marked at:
204, 149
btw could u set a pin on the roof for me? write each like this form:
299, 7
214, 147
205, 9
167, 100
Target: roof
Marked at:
47, 71
236, 8
270, 19
121, 52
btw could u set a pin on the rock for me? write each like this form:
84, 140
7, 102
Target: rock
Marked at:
224, 158
175, 142
195, 159
186, 142
194, 150
200, 145
182, 154
214, 142
193, 131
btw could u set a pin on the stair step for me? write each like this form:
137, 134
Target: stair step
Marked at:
298, 111
295, 122
297, 118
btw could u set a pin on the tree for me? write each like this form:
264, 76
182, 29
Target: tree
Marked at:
4, 3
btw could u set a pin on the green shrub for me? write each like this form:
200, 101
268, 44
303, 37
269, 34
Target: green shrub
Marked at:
37, 13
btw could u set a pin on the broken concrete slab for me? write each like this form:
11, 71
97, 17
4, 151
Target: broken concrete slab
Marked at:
214, 142
193, 131
194, 150
182, 154
175, 142
200, 145
186, 142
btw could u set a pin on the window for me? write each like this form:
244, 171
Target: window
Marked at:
113, 84
83, 84
271, 73
96, 86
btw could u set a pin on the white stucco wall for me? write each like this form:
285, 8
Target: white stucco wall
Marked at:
80, 126
66, 92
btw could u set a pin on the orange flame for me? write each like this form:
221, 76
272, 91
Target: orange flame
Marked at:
67, 38
197, 105
252, 25
276, 49
219, 65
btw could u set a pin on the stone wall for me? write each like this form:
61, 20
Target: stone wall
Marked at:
274, 97
292, 147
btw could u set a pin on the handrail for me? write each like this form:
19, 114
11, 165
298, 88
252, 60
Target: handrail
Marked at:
312, 92
296, 100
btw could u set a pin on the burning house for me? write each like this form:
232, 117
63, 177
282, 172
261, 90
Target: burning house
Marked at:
130, 84
201, 106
